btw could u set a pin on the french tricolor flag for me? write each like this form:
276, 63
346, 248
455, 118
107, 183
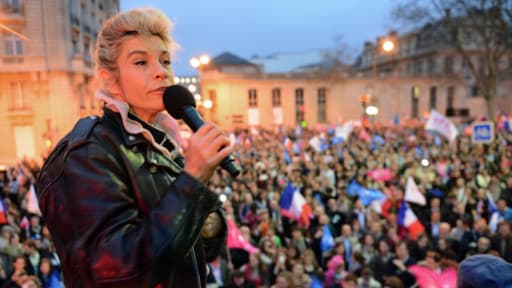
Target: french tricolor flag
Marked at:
3, 212
406, 218
293, 205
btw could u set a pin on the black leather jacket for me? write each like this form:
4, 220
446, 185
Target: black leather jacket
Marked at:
121, 214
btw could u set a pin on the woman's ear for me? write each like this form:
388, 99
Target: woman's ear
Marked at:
109, 81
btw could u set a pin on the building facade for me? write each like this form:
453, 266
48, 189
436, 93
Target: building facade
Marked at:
46, 71
404, 83
46, 79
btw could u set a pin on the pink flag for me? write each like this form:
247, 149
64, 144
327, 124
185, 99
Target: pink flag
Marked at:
24, 222
427, 278
236, 240
381, 174
364, 135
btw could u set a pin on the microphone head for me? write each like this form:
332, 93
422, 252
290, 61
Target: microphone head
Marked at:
175, 98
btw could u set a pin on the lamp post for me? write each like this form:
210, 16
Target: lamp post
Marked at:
386, 45
372, 112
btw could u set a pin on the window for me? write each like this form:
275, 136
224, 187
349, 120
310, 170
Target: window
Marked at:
418, 66
448, 65
450, 96
276, 97
322, 117
415, 97
299, 105
467, 37
11, 6
212, 95
17, 99
481, 66
475, 92
431, 66
87, 49
433, 98
253, 98
13, 45
81, 96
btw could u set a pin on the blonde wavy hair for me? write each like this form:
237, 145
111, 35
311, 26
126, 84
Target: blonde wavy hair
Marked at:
140, 21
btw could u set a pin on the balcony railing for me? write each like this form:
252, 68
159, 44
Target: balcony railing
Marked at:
8, 59
12, 11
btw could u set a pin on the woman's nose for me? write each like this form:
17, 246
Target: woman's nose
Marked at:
162, 72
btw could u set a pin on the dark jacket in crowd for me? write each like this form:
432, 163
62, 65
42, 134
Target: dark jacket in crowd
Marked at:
121, 213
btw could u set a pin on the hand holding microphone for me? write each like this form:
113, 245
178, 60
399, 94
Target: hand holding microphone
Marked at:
208, 146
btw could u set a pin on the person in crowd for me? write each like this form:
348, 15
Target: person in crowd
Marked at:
33, 256
458, 217
126, 207
401, 262
238, 280
47, 276
19, 273
285, 279
255, 271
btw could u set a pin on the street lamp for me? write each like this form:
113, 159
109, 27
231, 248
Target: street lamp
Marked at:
385, 46
388, 45
196, 62
372, 110
207, 104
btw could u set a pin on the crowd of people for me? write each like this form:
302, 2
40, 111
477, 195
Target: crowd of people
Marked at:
467, 187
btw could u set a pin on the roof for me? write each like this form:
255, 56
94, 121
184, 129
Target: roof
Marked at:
288, 62
228, 58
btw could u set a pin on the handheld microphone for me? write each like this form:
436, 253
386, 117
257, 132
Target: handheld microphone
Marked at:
180, 103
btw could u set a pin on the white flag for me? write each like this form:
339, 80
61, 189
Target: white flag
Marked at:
413, 194
345, 130
316, 143
32, 203
441, 124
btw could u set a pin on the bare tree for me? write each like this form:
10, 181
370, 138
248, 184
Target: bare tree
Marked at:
338, 59
479, 30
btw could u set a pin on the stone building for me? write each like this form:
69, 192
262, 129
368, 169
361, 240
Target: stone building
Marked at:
407, 82
46, 70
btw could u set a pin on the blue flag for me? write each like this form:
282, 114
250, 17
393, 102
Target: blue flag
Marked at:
287, 196
436, 192
353, 188
287, 158
340, 152
396, 119
327, 241
336, 140
368, 195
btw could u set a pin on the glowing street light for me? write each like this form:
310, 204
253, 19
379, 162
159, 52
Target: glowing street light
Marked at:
195, 62
204, 59
207, 103
199, 61
192, 88
388, 45
372, 110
